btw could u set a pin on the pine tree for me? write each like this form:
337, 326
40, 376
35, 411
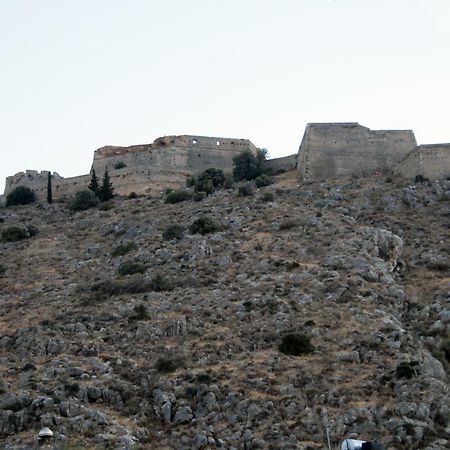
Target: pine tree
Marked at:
93, 185
49, 188
107, 190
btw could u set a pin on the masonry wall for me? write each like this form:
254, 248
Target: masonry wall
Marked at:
330, 150
431, 161
283, 164
148, 169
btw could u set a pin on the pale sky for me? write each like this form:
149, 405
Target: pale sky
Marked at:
79, 74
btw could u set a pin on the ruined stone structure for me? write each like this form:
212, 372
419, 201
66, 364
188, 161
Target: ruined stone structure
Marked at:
144, 169
333, 150
328, 150
431, 161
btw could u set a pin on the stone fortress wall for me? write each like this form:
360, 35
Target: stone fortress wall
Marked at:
334, 150
328, 150
146, 169
431, 161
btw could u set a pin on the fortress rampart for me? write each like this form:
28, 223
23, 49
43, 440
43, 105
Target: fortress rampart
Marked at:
327, 150
144, 169
333, 150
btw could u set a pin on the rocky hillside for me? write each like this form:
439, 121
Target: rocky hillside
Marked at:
190, 351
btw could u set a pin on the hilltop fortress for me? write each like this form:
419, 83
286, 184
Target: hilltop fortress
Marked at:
327, 150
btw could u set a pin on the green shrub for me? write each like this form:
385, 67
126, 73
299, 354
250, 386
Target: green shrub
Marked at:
199, 196
267, 197
132, 195
71, 388
140, 313
288, 225
210, 180
106, 206
32, 229
245, 190
2, 270
83, 200
15, 233
173, 232
191, 181
229, 181
21, 195
167, 364
407, 369
295, 344
247, 166
204, 225
263, 181
131, 267
123, 249
119, 165
160, 284
178, 196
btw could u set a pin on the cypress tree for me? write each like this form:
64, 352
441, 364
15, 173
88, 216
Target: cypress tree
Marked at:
93, 185
49, 188
107, 190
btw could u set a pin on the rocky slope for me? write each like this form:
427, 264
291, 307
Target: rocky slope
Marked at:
185, 355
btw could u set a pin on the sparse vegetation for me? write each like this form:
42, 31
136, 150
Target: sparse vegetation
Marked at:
140, 313
21, 195
123, 249
132, 195
245, 190
178, 196
83, 200
106, 206
199, 196
407, 369
15, 233
263, 180
173, 232
168, 364
295, 344
131, 268
267, 197
2, 270
204, 225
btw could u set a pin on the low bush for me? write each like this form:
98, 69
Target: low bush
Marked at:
178, 196
191, 181
288, 225
267, 197
159, 284
32, 229
106, 206
168, 364
295, 344
407, 369
245, 190
229, 181
173, 232
123, 249
263, 181
21, 195
199, 196
132, 195
2, 270
15, 233
83, 200
140, 313
204, 225
131, 268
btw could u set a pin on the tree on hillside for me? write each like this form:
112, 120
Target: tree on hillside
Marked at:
93, 185
247, 166
106, 191
49, 188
